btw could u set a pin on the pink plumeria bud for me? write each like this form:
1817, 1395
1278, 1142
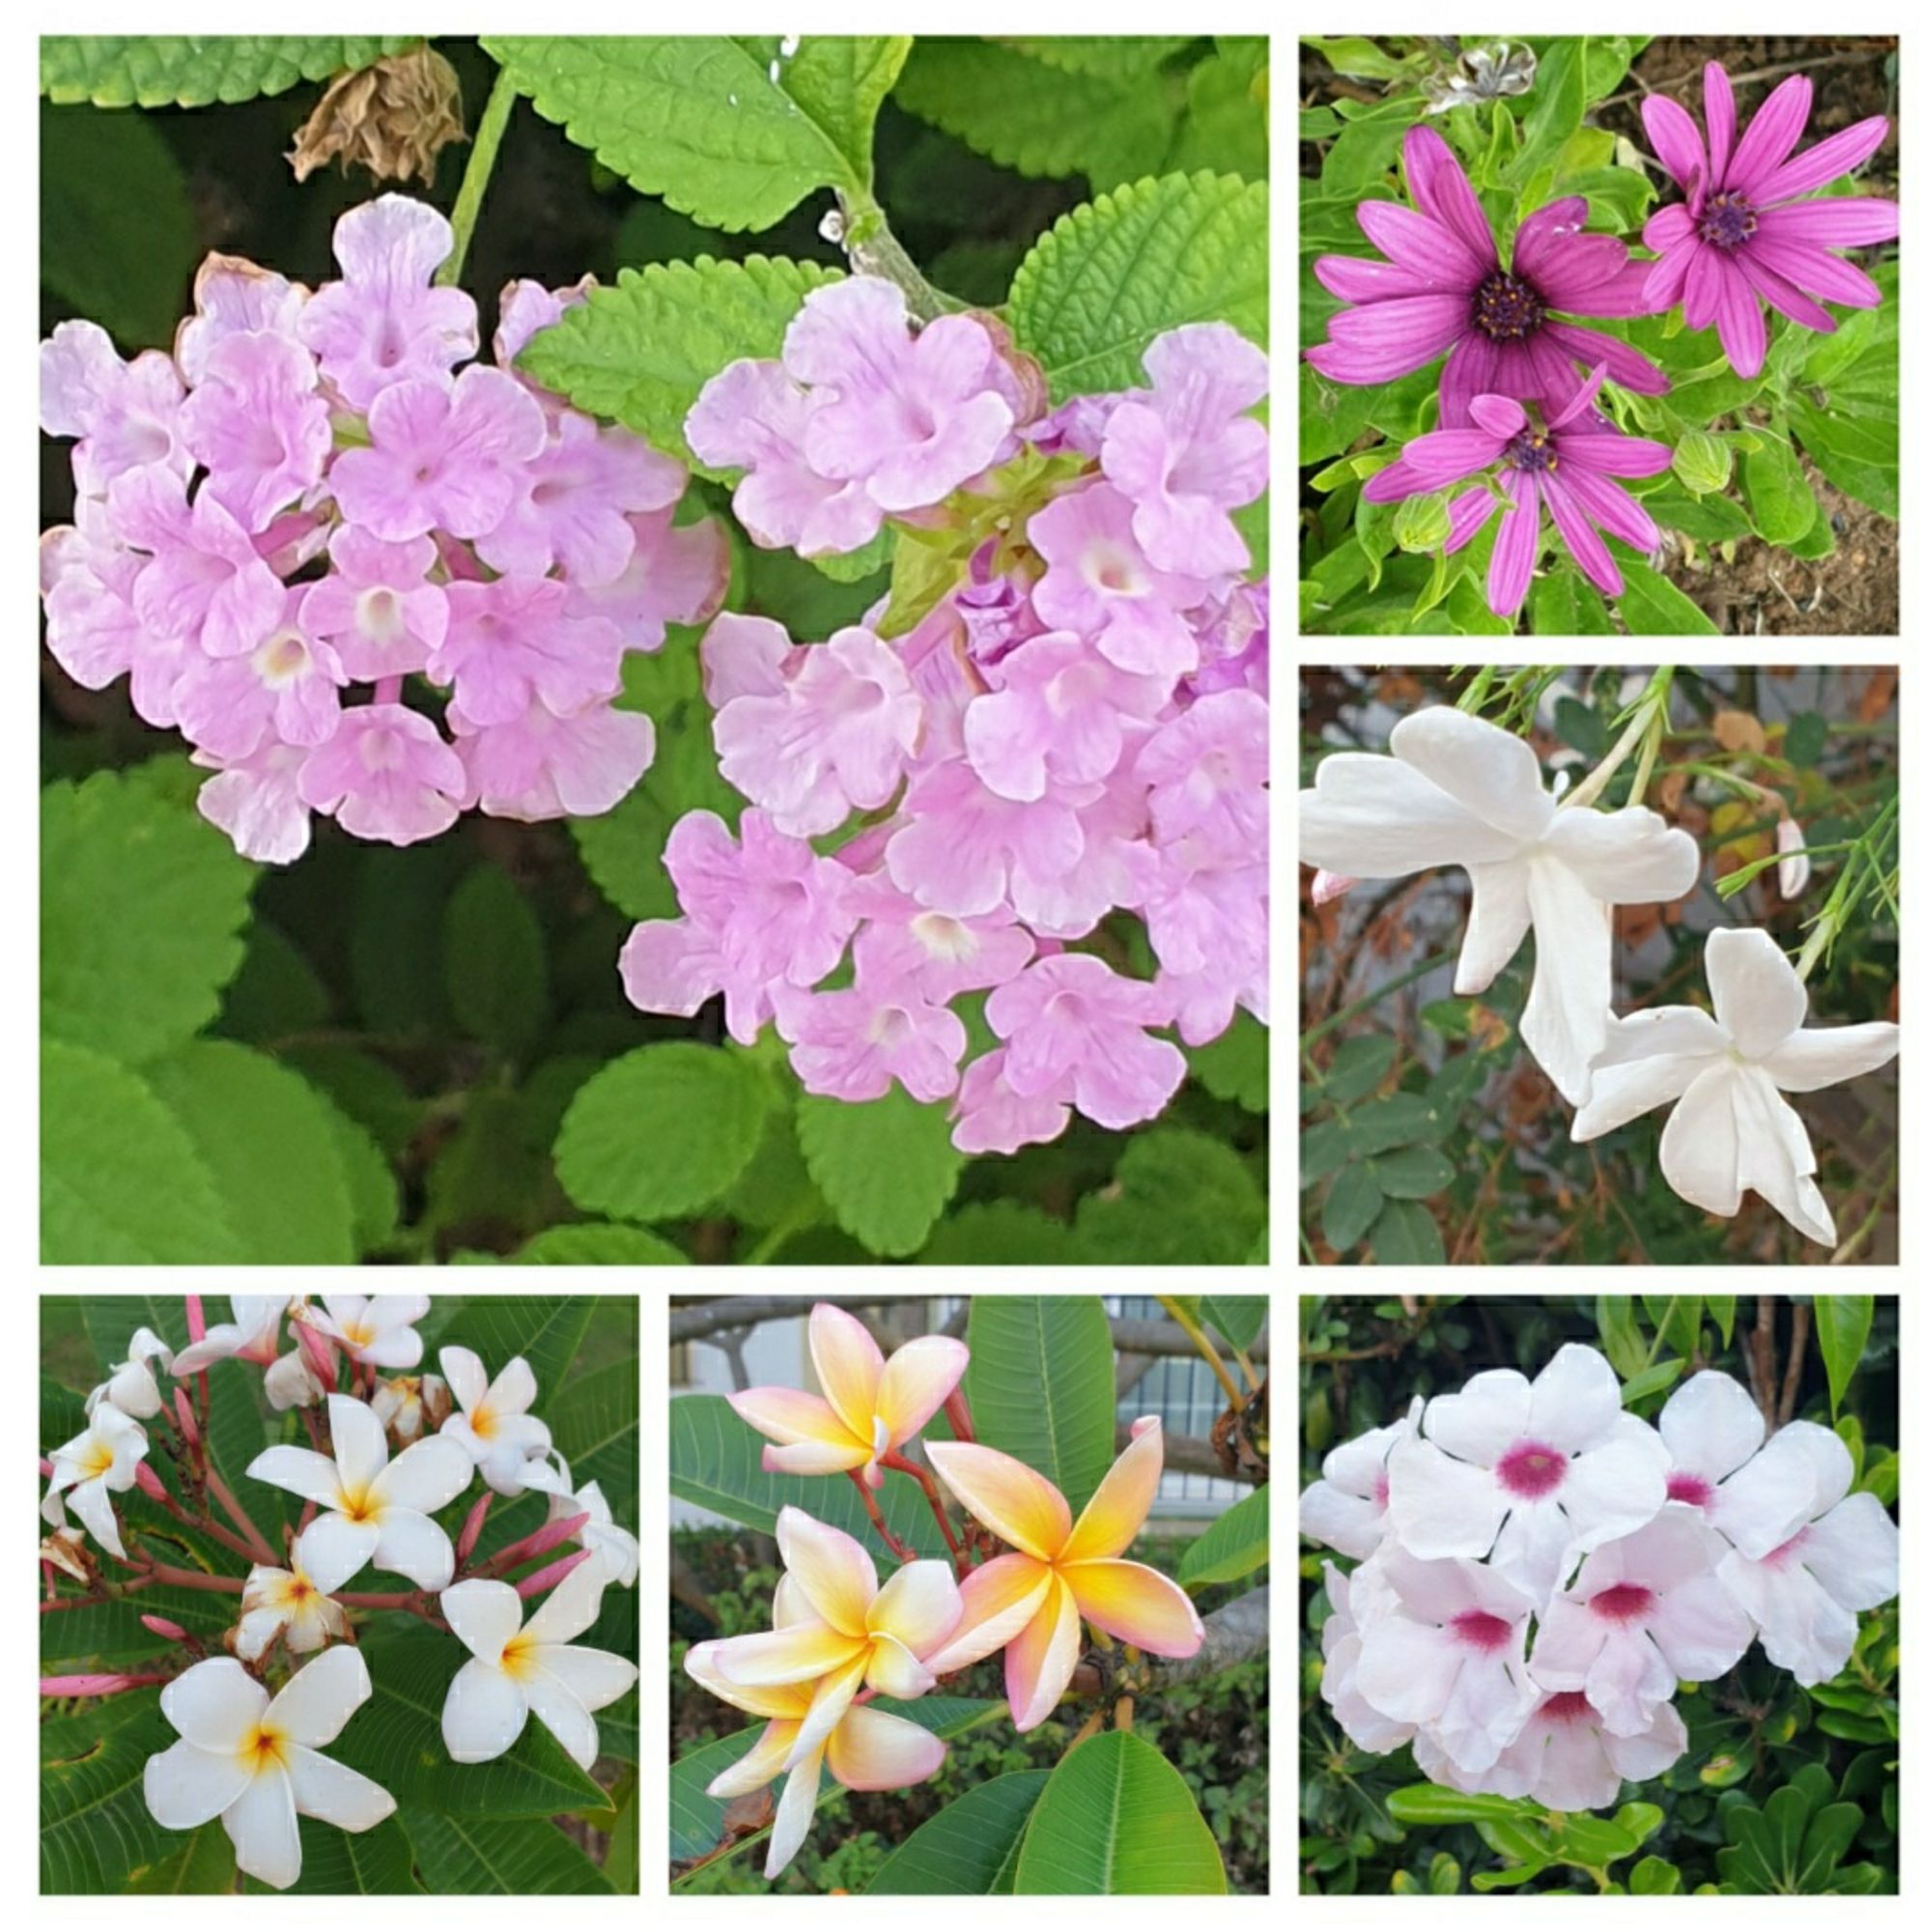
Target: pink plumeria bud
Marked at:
184, 1411
45, 1467
165, 1626
1330, 885
93, 1684
150, 1481
562, 1529
196, 1320
316, 1351
553, 1574
1795, 870
469, 1533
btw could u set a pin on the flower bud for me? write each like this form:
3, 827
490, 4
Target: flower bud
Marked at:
1422, 524
1330, 885
164, 1627
1795, 870
1703, 464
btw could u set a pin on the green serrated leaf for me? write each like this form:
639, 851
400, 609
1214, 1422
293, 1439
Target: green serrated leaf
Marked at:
885, 1167
1237, 1066
598, 1244
724, 127
195, 70
1112, 276
1178, 1197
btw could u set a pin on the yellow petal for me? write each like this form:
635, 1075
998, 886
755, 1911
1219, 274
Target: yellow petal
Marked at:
918, 1606
1040, 1660
785, 1656
996, 1602
833, 1699
918, 1378
778, 1701
792, 1416
760, 1765
1112, 1520
849, 1365
834, 1573
1017, 1504
1136, 1605
893, 1672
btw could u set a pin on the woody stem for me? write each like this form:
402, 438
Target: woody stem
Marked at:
887, 1536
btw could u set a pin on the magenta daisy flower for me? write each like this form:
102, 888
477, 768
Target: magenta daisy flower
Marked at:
1443, 291
1569, 464
1737, 236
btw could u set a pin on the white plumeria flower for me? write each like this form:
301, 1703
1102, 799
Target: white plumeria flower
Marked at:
1731, 1129
1644, 1613
376, 1328
255, 1764
615, 1549
374, 1511
100, 1459
492, 1426
1459, 792
1450, 1656
1358, 1600
405, 1404
129, 1385
1346, 1508
253, 1333
1838, 1553
298, 1600
513, 1671
291, 1384
1565, 1757
1530, 1473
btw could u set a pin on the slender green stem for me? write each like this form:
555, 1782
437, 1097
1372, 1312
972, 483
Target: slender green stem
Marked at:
1647, 711
479, 170
1315, 1035
873, 249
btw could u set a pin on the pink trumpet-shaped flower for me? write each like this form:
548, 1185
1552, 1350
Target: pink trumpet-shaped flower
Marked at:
1030, 1602
865, 1750
387, 774
1568, 466
872, 1403
1443, 291
1745, 231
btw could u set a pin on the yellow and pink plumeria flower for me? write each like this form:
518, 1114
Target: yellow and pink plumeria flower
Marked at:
843, 1632
865, 1750
1031, 1601
872, 1405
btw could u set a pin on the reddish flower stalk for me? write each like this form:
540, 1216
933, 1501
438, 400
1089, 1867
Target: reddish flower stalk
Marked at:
537, 1544
262, 1550
924, 1478
306, 1515
97, 1683
53, 1584
552, 1574
879, 1522
959, 1415
184, 1409
469, 1533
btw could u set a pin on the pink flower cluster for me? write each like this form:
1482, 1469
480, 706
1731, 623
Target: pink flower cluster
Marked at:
1078, 727
311, 500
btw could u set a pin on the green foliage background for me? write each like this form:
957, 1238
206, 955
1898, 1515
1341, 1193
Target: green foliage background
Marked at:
529, 1822
1780, 1789
424, 1054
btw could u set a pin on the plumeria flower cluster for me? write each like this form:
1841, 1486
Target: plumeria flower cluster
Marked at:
1519, 385
947, 804
841, 1638
1457, 790
385, 1456
320, 495
1537, 1571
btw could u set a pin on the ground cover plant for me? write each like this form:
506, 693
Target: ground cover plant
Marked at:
221, 1713
671, 666
1667, 1029
1632, 346
932, 1531
1620, 1587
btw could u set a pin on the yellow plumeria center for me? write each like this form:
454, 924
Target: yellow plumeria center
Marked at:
517, 1655
95, 1460
482, 1423
264, 1747
357, 1505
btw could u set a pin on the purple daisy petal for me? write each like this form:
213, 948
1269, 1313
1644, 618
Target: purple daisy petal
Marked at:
1836, 155
1417, 242
1439, 184
1393, 484
1470, 511
1354, 280
1581, 399
1610, 507
1516, 548
1795, 304
1669, 226
1852, 222
1742, 326
1450, 455
1623, 296
1555, 377
1613, 454
1705, 287
1667, 281
1498, 416
1722, 123
1675, 138
1625, 364
1546, 230
1818, 274
1471, 370
1772, 133
1582, 541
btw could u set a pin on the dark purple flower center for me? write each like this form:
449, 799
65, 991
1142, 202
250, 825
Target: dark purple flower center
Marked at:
1531, 1469
1531, 450
1694, 1489
1622, 1603
1481, 1630
1728, 220
1506, 308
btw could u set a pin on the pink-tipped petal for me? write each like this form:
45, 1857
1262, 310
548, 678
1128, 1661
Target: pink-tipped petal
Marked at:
849, 1364
1772, 133
919, 1608
916, 1380
1582, 541
996, 1602
792, 1656
1418, 242
1675, 138
813, 1459
1498, 416
1017, 1504
1112, 1517
793, 1416
1516, 550
1439, 184
1722, 123
1040, 1661
834, 1570
1821, 164
1136, 1605
872, 1750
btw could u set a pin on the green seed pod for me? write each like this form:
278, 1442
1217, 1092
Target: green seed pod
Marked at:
1422, 524
1703, 464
